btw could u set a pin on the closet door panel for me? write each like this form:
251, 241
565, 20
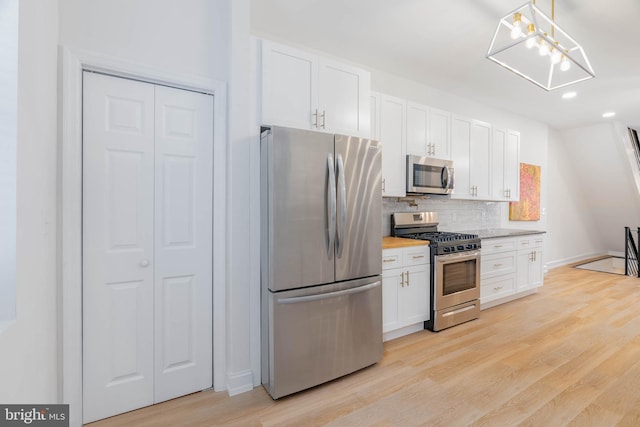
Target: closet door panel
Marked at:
183, 250
118, 168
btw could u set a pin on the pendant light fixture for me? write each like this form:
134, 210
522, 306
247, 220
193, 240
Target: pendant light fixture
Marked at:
558, 60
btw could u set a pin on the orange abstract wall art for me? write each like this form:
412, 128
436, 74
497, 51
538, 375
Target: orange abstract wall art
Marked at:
528, 208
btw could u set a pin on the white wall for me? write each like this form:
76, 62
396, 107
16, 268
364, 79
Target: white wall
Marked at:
28, 359
8, 144
187, 36
195, 37
242, 266
571, 222
604, 186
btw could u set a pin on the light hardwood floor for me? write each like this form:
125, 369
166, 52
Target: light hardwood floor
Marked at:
568, 355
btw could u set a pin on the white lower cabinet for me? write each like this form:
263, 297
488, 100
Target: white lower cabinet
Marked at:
529, 262
510, 267
405, 287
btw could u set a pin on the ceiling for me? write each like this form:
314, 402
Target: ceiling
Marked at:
443, 44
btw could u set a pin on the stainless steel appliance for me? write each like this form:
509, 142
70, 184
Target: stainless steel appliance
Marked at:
455, 268
426, 175
321, 257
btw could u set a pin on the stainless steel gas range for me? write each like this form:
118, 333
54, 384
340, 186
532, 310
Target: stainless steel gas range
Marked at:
455, 268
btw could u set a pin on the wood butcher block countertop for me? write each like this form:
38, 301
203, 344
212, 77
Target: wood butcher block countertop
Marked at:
389, 242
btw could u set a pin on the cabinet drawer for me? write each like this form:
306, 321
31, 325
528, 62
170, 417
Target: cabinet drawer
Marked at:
493, 246
497, 264
497, 287
531, 241
416, 255
391, 258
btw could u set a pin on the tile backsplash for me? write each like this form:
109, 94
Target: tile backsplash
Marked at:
454, 215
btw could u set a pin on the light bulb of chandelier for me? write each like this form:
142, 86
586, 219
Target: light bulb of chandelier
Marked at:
565, 64
531, 41
556, 56
544, 48
516, 31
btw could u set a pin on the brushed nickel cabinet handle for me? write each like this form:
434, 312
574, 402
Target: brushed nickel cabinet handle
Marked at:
402, 279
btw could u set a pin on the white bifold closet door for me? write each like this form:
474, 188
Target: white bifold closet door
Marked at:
147, 244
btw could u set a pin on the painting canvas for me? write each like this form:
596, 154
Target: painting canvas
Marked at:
528, 208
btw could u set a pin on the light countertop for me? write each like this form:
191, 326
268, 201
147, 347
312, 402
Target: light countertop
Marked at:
389, 242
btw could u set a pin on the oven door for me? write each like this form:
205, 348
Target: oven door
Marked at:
456, 279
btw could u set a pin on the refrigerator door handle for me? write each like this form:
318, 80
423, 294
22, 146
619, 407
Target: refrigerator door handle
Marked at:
294, 300
342, 199
331, 205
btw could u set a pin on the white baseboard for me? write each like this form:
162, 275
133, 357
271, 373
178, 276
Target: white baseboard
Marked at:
571, 260
239, 382
392, 335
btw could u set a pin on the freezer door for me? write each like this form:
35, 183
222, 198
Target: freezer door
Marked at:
321, 333
359, 207
298, 208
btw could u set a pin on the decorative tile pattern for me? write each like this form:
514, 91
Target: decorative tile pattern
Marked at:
454, 215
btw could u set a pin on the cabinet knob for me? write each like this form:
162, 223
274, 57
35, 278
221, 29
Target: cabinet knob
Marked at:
144, 263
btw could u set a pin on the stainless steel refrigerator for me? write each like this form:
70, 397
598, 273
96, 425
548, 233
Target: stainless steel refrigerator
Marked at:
321, 256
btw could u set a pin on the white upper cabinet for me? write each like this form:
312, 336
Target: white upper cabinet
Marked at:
460, 150
306, 91
428, 131
418, 129
512, 165
471, 155
505, 165
391, 118
440, 133
375, 116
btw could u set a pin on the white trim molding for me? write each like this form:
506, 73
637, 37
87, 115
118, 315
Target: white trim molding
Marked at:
74, 62
239, 382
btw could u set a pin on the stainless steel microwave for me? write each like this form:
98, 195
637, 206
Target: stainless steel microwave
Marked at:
426, 175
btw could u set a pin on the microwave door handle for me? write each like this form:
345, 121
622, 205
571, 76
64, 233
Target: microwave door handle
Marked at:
445, 175
331, 205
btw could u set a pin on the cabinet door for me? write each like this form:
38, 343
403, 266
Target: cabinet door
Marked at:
394, 150
460, 146
392, 283
525, 258
535, 273
374, 124
512, 165
415, 295
289, 86
480, 159
439, 133
497, 287
498, 157
417, 129
343, 98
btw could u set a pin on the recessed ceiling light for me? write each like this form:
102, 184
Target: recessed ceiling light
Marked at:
608, 114
569, 95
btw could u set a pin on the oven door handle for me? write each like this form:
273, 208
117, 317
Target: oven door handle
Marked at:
463, 256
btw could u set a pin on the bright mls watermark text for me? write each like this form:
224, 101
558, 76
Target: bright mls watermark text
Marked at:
34, 415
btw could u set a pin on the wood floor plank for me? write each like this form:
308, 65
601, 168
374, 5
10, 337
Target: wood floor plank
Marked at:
567, 355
